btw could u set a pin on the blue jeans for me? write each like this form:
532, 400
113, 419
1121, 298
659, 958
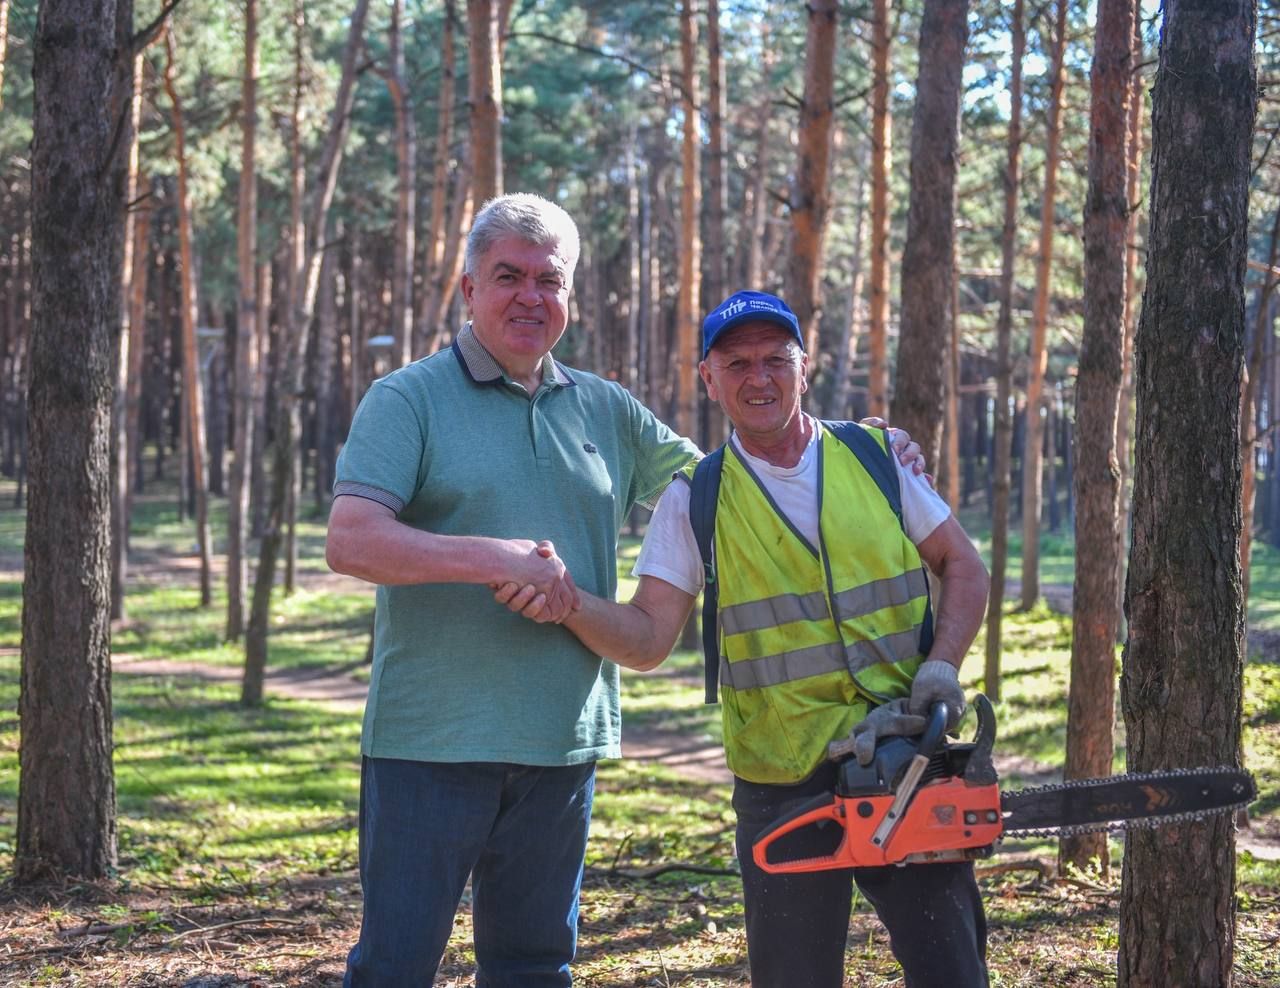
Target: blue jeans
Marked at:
797, 924
519, 831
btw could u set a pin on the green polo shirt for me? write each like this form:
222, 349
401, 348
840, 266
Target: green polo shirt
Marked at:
453, 446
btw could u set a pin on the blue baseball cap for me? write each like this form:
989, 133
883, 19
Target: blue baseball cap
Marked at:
748, 306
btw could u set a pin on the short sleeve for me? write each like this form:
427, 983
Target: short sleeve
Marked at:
383, 457
923, 508
669, 551
659, 453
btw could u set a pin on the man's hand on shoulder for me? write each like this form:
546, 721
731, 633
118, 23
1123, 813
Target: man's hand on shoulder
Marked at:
907, 449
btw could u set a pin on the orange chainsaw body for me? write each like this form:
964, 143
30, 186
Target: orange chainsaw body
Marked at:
948, 819
919, 800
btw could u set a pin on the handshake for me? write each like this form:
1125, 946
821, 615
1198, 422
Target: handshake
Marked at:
535, 583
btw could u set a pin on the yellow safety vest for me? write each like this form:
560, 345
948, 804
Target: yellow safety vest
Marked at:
811, 636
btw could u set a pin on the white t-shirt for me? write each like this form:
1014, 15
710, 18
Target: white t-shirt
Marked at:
670, 551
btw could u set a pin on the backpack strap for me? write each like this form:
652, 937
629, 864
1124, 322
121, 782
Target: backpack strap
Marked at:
704, 492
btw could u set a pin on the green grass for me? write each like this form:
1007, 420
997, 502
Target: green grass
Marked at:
222, 805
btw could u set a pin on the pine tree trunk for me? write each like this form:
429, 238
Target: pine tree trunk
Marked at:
1099, 383
687, 321
808, 199
83, 78
758, 213
1124, 425
137, 302
951, 433
881, 158
192, 389
485, 72
629, 376
434, 286
406, 195
246, 369
1181, 685
121, 450
1033, 454
714, 429
286, 417
1002, 432
261, 388
847, 350
687, 386
920, 387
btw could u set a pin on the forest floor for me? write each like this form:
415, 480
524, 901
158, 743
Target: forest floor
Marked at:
238, 828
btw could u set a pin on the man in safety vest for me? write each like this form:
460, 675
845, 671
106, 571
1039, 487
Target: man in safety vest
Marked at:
826, 630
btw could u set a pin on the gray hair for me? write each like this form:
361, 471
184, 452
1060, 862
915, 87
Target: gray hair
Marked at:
527, 217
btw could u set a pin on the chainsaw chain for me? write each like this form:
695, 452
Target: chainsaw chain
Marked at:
1120, 826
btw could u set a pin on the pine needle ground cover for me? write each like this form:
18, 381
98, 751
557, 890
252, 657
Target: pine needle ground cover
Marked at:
238, 842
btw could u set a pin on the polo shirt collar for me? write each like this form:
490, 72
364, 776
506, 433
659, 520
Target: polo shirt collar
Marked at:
482, 368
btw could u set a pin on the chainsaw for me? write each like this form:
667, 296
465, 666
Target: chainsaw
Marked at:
930, 800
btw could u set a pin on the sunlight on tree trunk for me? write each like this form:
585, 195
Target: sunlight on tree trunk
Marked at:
485, 74
192, 386
881, 130
83, 77
1182, 680
1033, 448
246, 331
808, 198
1099, 383
1002, 440
924, 337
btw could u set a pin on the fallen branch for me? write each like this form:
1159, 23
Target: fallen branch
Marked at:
226, 926
647, 873
1039, 865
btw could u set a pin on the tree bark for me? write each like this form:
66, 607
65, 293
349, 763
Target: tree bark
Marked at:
1002, 438
920, 388
808, 199
1099, 383
951, 433
246, 369
1181, 684
121, 448
687, 322
406, 131
435, 286
881, 155
83, 78
193, 391
1124, 425
1033, 453
485, 89
847, 350
1249, 438
289, 389
752, 269
137, 302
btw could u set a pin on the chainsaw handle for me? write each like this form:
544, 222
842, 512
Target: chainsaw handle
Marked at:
817, 810
934, 729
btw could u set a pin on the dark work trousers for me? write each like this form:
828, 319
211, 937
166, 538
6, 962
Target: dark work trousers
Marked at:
797, 924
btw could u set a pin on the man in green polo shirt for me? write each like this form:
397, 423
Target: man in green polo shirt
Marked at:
482, 729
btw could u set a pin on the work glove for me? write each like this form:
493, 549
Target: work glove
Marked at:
885, 721
937, 680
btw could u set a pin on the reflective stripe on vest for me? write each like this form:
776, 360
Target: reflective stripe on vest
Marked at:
810, 635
